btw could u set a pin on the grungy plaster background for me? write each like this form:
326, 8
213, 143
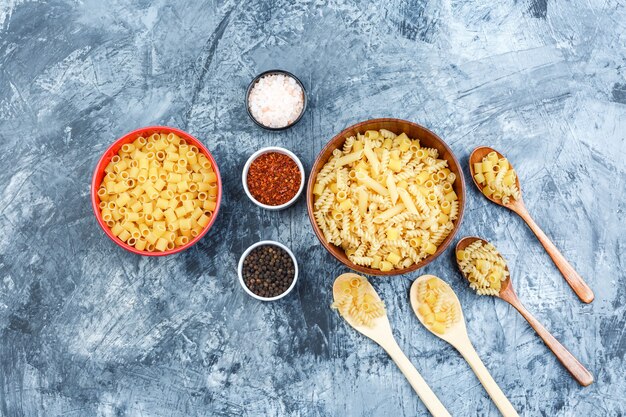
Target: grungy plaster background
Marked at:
87, 329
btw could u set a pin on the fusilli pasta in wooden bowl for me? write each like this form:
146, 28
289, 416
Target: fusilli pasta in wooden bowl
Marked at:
386, 196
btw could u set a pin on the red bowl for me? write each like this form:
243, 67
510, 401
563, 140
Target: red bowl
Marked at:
98, 175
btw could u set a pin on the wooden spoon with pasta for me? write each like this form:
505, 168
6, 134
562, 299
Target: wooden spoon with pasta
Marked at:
507, 293
572, 277
379, 331
452, 329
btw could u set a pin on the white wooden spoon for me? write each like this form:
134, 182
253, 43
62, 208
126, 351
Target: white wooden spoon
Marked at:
380, 332
457, 336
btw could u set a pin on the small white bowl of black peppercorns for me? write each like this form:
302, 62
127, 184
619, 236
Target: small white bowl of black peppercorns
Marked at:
268, 270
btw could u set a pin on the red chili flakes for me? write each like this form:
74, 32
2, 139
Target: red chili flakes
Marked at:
274, 178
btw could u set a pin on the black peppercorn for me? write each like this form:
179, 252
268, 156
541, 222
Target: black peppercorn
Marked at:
268, 271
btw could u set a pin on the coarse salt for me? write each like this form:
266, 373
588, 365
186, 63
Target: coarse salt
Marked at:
276, 100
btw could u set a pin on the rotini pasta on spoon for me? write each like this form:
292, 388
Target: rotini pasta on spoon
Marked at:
359, 304
487, 272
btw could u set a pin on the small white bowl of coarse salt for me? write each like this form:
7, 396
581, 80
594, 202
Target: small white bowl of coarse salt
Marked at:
276, 100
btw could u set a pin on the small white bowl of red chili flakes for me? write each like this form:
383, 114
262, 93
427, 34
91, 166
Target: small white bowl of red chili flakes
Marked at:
273, 178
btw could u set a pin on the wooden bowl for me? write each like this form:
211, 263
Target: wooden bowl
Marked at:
414, 131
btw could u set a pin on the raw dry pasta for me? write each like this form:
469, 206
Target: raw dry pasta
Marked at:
497, 178
158, 192
437, 304
397, 197
356, 300
483, 266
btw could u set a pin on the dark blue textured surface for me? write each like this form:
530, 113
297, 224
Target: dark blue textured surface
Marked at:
87, 329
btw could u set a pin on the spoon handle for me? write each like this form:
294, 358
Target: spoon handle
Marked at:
574, 280
420, 386
578, 371
469, 353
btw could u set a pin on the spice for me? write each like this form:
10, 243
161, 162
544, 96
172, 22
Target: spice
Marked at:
276, 100
268, 271
274, 178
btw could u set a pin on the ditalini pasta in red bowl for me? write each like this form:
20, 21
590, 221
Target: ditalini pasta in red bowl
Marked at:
386, 196
156, 191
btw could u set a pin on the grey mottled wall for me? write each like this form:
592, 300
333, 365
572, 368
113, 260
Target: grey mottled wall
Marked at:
87, 329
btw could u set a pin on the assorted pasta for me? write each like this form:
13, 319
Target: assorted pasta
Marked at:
158, 192
384, 199
356, 300
483, 266
438, 306
496, 178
